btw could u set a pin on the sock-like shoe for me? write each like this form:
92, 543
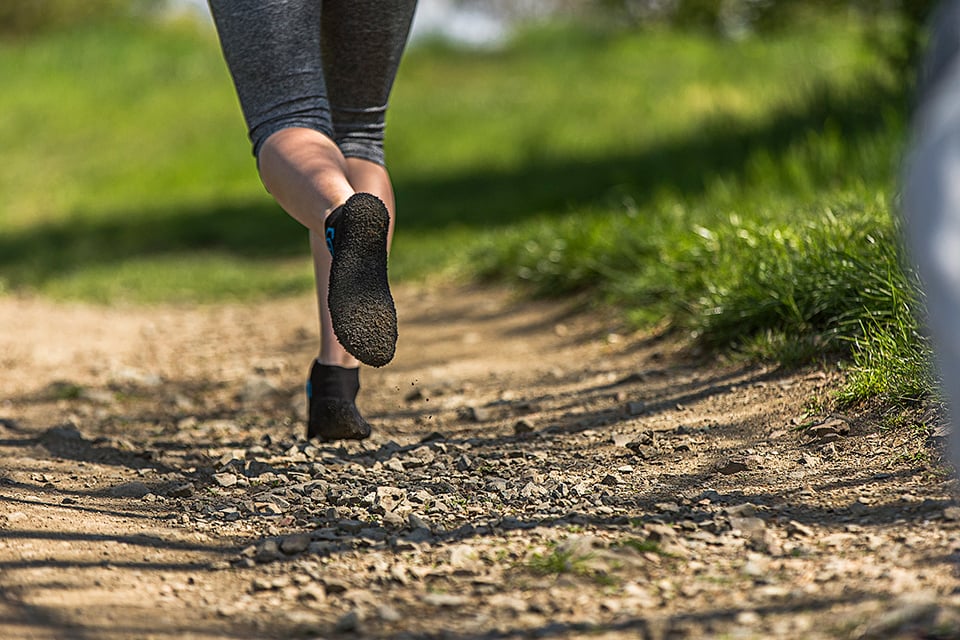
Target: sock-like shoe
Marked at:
361, 306
331, 397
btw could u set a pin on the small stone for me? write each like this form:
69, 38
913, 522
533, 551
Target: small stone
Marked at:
795, 528
312, 593
348, 622
350, 526
416, 522
508, 602
184, 490
444, 600
387, 613
130, 490
667, 507
298, 543
373, 534
660, 532
731, 467
464, 462
268, 508
523, 426
809, 461
230, 456
756, 566
419, 535
743, 510
14, 516
748, 618
750, 527
832, 428
611, 480
951, 514
260, 584
334, 585
225, 479
622, 439
230, 514
479, 414
634, 408
268, 551
394, 520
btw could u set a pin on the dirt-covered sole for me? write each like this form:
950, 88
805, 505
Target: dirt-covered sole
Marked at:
334, 419
361, 306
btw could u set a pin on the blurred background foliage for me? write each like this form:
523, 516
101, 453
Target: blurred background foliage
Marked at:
22, 18
726, 168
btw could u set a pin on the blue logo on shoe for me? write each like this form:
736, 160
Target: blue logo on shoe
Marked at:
330, 234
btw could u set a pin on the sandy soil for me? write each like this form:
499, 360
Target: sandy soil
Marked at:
535, 471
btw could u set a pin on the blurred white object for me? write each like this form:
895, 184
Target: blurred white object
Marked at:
931, 200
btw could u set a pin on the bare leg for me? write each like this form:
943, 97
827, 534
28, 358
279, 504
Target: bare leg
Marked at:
306, 173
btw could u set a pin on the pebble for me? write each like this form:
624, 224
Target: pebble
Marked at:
130, 490
479, 414
350, 526
731, 467
444, 600
523, 426
184, 490
394, 520
268, 551
298, 543
748, 526
611, 480
795, 528
349, 622
387, 613
225, 479
634, 408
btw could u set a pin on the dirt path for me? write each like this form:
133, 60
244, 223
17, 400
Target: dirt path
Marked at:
534, 472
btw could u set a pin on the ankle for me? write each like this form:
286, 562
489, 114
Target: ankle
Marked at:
343, 360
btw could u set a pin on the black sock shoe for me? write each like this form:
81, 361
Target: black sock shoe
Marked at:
361, 306
331, 396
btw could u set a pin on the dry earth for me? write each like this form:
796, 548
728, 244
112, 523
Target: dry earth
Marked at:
535, 471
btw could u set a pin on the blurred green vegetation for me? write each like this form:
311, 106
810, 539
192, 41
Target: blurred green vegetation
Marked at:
21, 18
739, 189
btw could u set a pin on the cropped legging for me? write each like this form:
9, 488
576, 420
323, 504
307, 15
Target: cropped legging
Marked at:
326, 65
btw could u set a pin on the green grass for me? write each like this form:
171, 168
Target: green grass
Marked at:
740, 190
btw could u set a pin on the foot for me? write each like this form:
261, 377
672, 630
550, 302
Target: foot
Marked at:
361, 306
331, 397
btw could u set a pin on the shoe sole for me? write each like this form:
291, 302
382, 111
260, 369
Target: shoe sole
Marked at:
361, 306
332, 419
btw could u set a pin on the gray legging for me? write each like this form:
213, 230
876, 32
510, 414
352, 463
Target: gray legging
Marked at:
323, 65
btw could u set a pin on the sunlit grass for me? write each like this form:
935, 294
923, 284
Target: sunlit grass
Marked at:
741, 191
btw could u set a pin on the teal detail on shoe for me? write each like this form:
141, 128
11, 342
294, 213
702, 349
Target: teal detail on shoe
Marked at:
329, 235
309, 390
